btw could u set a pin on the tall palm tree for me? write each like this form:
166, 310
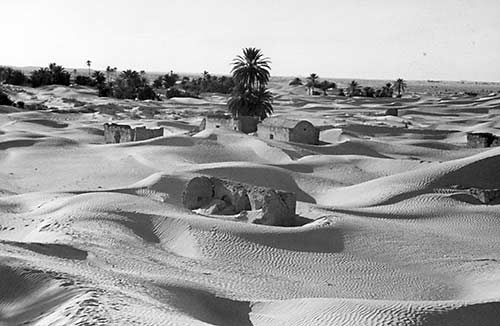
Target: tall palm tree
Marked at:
251, 74
400, 86
108, 72
88, 64
312, 82
251, 70
353, 89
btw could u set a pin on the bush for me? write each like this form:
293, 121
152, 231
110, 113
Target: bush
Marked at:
368, 91
176, 92
54, 75
20, 104
84, 81
205, 84
104, 90
41, 77
295, 82
4, 99
146, 92
132, 85
12, 76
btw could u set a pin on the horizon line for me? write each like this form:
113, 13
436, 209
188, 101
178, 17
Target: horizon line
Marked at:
276, 76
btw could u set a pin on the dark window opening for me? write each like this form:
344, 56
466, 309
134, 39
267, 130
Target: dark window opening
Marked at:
217, 126
271, 136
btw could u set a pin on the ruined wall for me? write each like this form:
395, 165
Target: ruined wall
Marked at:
305, 133
225, 197
115, 133
273, 133
243, 124
142, 133
218, 122
486, 196
392, 111
278, 207
482, 140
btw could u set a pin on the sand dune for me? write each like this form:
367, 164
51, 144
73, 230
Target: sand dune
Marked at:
392, 231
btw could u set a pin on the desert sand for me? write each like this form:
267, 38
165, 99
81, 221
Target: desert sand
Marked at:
96, 234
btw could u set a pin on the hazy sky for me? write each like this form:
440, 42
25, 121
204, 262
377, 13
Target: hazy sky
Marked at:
385, 39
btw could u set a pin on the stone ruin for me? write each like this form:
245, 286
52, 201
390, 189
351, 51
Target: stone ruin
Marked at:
486, 196
259, 205
115, 133
392, 111
482, 139
226, 121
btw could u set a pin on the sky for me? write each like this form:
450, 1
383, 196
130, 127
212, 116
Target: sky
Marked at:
375, 39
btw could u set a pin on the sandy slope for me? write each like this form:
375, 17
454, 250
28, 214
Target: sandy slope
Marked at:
95, 234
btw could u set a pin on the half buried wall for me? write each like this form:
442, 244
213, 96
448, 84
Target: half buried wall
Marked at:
216, 196
115, 133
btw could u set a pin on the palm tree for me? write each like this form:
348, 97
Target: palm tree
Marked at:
400, 86
353, 89
251, 74
326, 85
206, 75
256, 103
108, 72
251, 70
99, 77
368, 91
387, 90
295, 82
312, 82
88, 64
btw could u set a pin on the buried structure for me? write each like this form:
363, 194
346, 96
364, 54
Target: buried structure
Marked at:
482, 139
214, 196
115, 133
244, 124
283, 129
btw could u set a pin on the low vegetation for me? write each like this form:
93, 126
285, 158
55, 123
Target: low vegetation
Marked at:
352, 89
193, 87
247, 85
132, 85
53, 75
12, 76
5, 100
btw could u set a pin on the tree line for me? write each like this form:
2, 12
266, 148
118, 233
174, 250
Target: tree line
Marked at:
249, 95
352, 89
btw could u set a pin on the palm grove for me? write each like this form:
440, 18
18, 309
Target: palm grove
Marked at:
249, 95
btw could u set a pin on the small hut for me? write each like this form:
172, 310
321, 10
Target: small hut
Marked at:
283, 129
117, 133
226, 121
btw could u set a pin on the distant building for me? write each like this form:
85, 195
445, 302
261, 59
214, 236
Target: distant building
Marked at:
283, 129
226, 121
391, 111
482, 139
116, 133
